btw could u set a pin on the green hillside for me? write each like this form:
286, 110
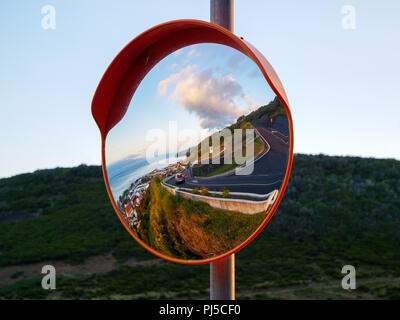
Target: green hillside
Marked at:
336, 211
187, 229
271, 110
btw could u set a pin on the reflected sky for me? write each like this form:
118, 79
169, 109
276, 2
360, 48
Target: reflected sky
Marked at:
203, 87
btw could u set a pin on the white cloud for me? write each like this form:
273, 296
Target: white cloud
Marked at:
213, 99
249, 101
183, 74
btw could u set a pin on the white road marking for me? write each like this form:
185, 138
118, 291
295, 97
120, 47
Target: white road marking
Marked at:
241, 184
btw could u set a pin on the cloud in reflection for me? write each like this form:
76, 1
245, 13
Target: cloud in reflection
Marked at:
214, 99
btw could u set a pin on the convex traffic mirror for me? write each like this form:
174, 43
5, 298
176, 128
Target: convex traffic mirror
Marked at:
197, 140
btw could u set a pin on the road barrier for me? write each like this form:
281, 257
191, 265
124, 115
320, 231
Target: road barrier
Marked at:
230, 204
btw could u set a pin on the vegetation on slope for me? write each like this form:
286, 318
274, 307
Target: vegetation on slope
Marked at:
76, 219
190, 229
336, 211
269, 111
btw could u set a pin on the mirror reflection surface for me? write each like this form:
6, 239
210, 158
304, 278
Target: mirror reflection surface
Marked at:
199, 158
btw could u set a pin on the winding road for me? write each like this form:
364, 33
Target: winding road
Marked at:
268, 173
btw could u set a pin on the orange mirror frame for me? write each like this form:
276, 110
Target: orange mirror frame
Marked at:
120, 81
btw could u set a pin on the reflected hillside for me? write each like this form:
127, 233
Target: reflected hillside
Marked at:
195, 210
198, 160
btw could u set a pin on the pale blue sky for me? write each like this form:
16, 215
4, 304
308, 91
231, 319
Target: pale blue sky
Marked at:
203, 72
343, 85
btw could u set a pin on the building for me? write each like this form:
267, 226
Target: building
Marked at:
129, 210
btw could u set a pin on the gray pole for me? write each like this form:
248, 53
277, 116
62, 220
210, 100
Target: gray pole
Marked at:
221, 13
222, 279
222, 272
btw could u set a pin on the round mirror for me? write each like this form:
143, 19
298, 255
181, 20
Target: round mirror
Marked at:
200, 158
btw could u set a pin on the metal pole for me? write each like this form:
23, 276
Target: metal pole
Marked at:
222, 272
222, 279
221, 13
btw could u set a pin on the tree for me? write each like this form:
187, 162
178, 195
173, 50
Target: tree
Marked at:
225, 193
203, 191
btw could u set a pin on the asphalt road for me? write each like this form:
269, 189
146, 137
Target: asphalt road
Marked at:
269, 169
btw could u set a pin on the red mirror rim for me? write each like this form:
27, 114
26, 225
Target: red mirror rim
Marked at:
120, 81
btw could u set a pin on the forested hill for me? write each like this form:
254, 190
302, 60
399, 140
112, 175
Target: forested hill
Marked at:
271, 110
336, 211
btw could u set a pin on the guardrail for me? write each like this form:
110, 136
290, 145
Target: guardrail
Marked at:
231, 204
169, 187
253, 195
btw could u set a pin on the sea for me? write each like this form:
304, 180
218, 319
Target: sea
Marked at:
123, 173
